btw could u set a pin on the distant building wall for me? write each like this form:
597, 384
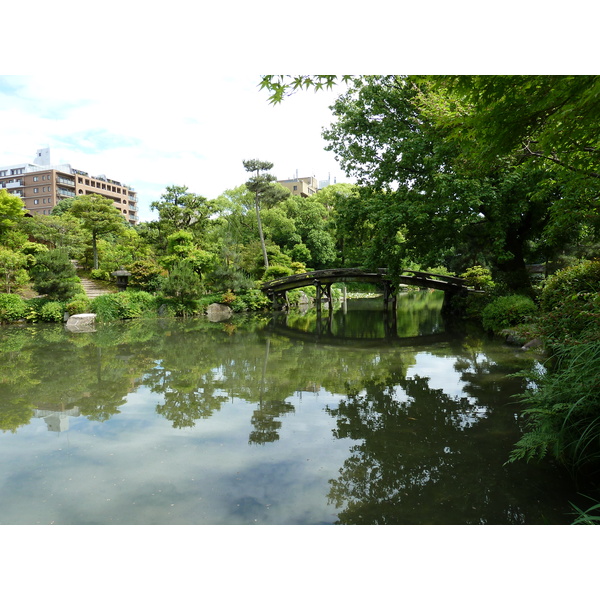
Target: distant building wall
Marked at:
301, 186
42, 186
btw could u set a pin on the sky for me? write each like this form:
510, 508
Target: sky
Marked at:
150, 136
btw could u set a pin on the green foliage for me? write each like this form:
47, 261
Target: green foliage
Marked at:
251, 300
146, 274
52, 312
44, 309
570, 301
277, 271
12, 308
54, 275
564, 409
582, 278
479, 278
56, 232
588, 516
100, 274
124, 305
265, 191
301, 253
13, 275
185, 285
11, 209
180, 209
508, 311
98, 216
78, 304
281, 86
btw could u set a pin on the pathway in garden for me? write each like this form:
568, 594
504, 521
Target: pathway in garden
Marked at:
92, 287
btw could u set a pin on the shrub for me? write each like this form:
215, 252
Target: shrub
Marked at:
44, 309
12, 308
52, 311
123, 305
228, 297
54, 275
580, 279
479, 278
100, 274
571, 304
13, 275
564, 409
250, 300
79, 304
276, 271
146, 274
508, 311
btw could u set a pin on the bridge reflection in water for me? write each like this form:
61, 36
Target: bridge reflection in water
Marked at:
418, 321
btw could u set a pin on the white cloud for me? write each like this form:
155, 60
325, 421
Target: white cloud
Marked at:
151, 133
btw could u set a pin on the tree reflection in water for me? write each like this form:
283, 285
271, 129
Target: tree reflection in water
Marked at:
426, 456
432, 419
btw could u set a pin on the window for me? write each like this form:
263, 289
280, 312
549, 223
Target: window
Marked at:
35, 178
35, 190
36, 201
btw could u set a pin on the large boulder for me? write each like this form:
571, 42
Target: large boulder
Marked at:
83, 323
218, 312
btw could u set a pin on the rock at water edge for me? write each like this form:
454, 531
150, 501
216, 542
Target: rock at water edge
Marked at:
218, 312
83, 323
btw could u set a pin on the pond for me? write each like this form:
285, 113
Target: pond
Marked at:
357, 416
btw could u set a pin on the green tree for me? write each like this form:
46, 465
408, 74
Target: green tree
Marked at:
54, 275
99, 217
183, 284
511, 159
433, 203
63, 207
12, 270
180, 209
64, 231
11, 210
181, 247
261, 184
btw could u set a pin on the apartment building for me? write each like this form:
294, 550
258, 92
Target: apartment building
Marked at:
301, 186
42, 186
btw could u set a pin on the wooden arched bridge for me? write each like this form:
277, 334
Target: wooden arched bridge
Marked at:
276, 289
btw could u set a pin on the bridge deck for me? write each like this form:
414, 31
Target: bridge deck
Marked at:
330, 276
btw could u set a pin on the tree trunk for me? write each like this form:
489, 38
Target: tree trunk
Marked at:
260, 233
514, 271
95, 250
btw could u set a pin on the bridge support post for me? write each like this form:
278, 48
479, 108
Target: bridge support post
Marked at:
279, 300
323, 294
454, 302
389, 295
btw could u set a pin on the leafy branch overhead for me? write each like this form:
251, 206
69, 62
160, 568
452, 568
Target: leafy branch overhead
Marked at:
281, 86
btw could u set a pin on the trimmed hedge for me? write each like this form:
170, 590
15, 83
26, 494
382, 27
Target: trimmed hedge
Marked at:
508, 311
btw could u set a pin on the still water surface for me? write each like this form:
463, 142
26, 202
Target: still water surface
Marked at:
350, 418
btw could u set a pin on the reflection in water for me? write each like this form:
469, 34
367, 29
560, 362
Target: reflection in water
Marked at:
270, 419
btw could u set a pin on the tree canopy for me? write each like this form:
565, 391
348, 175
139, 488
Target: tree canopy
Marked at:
98, 216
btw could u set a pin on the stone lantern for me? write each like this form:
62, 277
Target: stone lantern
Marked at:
122, 278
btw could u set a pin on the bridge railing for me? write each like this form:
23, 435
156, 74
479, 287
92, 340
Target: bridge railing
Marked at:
357, 275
